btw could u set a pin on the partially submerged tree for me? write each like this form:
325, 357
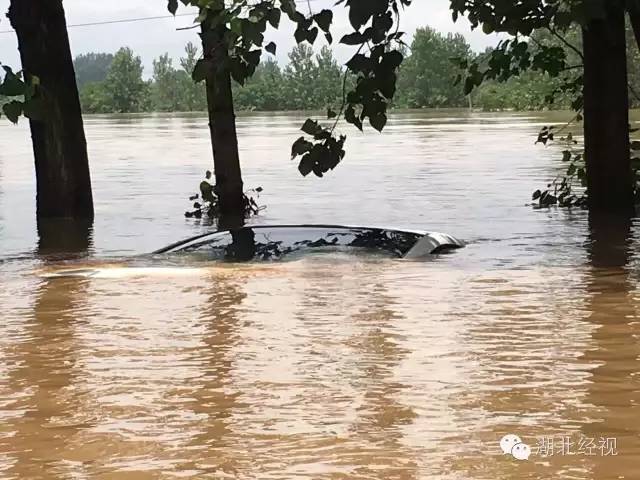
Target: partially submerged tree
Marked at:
606, 110
233, 36
216, 70
598, 80
53, 107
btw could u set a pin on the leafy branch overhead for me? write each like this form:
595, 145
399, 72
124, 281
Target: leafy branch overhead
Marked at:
546, 38
554, 37
541, 32
376, 40
320, 155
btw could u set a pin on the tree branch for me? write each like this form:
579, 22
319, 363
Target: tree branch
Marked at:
572, 67
564, 40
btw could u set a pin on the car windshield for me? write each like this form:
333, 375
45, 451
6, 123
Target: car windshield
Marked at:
267, 243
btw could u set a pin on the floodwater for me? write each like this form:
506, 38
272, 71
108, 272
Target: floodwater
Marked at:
328, 366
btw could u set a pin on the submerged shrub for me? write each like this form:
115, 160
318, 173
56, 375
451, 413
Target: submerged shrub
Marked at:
206, 203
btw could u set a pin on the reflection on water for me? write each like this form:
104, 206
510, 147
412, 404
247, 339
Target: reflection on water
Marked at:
332, 365
612, 303
43, 410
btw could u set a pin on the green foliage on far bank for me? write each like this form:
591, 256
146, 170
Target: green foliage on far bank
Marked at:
313, 81
427, 75
309, 81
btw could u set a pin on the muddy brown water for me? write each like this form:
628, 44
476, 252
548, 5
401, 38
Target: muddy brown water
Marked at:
329, 366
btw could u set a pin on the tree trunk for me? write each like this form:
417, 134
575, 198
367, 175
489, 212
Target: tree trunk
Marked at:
222, 124
606, 113
64, 238
634, 16
59, 144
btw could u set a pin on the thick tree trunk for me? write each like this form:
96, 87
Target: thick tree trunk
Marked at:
606, 113
59, 144
610, 239
64, 238
222, 124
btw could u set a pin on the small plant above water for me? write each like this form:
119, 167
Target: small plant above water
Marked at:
206, 203
569, 189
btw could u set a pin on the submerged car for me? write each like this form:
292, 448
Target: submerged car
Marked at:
275, 242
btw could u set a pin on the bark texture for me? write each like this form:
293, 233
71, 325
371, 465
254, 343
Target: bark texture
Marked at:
59, 144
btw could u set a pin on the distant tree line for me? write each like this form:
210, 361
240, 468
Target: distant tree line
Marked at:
114, 83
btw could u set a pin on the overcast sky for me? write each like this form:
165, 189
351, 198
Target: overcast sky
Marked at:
149, 39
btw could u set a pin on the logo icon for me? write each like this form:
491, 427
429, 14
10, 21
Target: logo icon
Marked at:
512, 445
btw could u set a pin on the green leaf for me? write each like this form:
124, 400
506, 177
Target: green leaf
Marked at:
331, 114
381, 25
324, 19
271, 48
202, 70
312, 34
306, 165
355, 38
392, 60
378, 121
173, 6
469, 85
350, 117
239, 70
13, 110
289, 8
252, 32
360, 63
12, 85
235, 25
253, 57
311, 127
360, 12
300, 147
274, 17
